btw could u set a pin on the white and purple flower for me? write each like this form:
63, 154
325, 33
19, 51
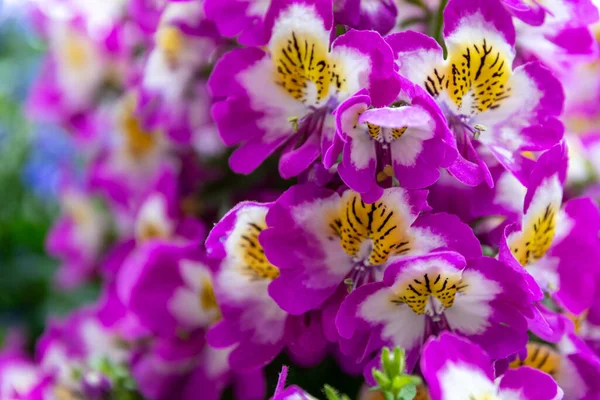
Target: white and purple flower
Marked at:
481, 299
488, 104
454, 368
283, 98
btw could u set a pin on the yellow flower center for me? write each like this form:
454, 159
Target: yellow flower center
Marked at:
138, 142
76, 51
151, 230
578, 320
485, 396
536, 238
378, 133
540, 356
370, 233
305, 69
475, 79
255, 263
171, 41
208, 301
61, 392
441, 286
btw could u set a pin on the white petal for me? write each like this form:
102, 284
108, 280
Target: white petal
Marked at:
194, 273
401, 325
471, 310
315, 217
510, 193
356, 69
266, 96
407, 148
463, 381
185, 306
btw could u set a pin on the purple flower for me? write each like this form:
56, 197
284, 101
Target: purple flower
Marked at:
169, 287
20, 377
572, 364
489, 105
480, 298
320, 239
253, 323
171, 88
558, 33
78, 236
555, 243
454, 368
284, 97
408, 140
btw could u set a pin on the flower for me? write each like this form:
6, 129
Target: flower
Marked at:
284, 97
481, 299
78, 236
178, 279
320, 239
171, 86
486, 101
252, 321
408, 140
560, 35
554, 242
572, 364
455, 368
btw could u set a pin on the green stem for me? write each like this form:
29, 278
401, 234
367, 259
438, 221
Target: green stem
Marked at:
437, 22
419, 3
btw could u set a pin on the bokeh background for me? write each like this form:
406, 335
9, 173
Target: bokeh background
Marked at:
32, 159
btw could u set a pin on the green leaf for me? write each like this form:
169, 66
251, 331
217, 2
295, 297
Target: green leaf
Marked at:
408, 392
382, 380
331, 393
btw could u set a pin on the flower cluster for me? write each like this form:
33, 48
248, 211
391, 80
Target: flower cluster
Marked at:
411, 174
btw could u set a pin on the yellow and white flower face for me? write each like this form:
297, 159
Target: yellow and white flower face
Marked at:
300, 54
539, 224
81, 68
371, 233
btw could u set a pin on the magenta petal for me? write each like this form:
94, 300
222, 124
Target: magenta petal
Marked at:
294, 161
492, 11
250, 155
530, 383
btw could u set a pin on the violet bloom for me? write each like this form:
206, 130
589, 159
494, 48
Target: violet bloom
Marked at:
77, 343
480, 298
183, 367
284, 97
320, 239
184, 43
78, 236
408, 140
253, 323
178, 280
556, 244
160, 214
485, 100
558, 33
70, 80
131, 157
456, 369
571, 363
